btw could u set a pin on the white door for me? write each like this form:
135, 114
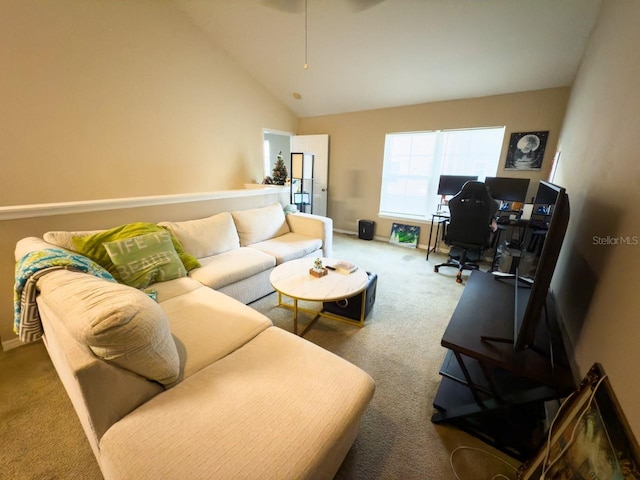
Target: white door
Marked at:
318, 145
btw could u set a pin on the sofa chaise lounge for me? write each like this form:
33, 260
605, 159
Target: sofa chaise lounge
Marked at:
181, 379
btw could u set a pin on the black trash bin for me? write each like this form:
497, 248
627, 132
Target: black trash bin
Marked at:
365, 229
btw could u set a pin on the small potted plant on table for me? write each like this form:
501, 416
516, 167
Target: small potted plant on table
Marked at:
318, 270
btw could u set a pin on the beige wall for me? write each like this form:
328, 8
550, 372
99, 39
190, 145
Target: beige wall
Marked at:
597, 281
357, 144
119, 98
13, 230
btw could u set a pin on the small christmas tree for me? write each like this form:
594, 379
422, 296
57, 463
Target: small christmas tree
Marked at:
279, 175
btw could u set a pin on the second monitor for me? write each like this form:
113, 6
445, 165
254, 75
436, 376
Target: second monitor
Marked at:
508, 189
452, 184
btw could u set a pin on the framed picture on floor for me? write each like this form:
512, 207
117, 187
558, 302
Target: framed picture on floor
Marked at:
404, 235
526, 151
589, 438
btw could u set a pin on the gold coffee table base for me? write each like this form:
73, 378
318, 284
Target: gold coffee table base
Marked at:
318, 313
292, 279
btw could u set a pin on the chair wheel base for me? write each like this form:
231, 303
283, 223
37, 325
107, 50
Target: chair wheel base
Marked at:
435, 269
459, 278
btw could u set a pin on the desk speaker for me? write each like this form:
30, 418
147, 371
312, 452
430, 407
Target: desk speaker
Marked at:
365, 229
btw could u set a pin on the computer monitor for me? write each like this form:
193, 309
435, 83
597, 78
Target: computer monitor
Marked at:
452, 184
556, 200
508, 189
532, 315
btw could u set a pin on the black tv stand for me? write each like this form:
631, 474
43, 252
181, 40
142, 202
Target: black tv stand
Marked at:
486, 338
516, 303
487, 388
527, 282
534, 348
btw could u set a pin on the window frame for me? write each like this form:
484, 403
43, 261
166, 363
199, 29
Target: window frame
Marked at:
435, 169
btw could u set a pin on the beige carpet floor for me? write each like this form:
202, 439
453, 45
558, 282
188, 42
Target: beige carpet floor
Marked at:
399, 347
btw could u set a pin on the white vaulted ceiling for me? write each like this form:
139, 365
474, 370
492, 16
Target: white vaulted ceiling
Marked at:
367, 54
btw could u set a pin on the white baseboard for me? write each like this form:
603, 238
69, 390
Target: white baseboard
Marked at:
345, 232
375, 237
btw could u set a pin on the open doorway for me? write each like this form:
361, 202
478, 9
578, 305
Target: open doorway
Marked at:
275, 142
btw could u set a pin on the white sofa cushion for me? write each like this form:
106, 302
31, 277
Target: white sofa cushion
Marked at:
173, 288
258, 224
232, 266
313, 226
65, 239
205, 237
277, 408
118, 323
290, 246
208, 325
30, 244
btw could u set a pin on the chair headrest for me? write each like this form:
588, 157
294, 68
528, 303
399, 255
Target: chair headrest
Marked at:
473, 193
474, 190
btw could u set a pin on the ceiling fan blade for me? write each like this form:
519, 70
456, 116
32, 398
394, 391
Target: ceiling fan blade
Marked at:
297, 6
288, 6
360, 5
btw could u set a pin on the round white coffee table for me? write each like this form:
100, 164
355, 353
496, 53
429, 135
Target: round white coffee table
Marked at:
293, 280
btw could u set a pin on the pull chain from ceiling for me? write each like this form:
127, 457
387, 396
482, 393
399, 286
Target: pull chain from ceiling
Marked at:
306, 34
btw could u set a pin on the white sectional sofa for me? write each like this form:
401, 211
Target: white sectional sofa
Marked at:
181, 379
237, 250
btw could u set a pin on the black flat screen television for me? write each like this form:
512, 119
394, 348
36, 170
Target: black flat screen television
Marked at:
452, 184
508, 189
552, 205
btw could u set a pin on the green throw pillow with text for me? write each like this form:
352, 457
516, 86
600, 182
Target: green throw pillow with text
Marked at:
145, 259
92, 245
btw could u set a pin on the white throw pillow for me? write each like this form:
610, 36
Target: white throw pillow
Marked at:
65, 239
206, 237
118, 323
259, 224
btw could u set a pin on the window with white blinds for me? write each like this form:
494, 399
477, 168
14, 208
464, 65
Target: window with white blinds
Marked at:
414, 161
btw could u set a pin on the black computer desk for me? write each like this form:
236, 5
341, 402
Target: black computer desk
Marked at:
440, 219
530, 241
487, 388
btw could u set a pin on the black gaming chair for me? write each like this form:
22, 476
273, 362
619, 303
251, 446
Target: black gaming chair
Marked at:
469, 230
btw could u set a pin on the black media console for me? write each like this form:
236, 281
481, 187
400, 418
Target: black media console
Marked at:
488, 388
